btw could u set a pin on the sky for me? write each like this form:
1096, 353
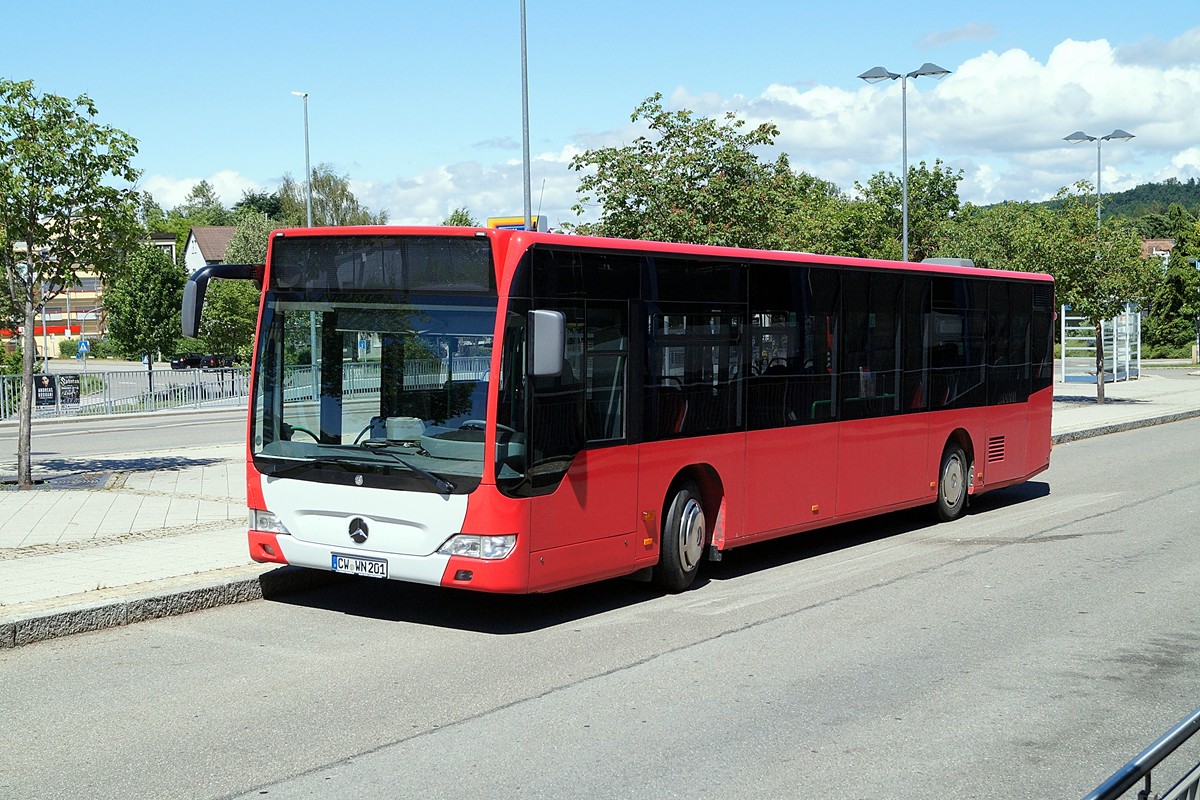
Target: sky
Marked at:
419, 103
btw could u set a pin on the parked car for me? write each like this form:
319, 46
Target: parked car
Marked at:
193, 361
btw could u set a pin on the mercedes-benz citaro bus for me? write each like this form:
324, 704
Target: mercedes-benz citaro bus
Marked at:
514, 411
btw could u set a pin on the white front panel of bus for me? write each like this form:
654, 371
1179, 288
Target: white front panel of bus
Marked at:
398, 522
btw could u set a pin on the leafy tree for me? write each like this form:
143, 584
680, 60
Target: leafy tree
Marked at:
932, 201
333, 203
695, 179
249, 242
231, 307
202, 206
266, 204
461, 217
150, 214
1013, 236
1169, 324
143, 304
61, 209
1096, 271
815, 216
230, 314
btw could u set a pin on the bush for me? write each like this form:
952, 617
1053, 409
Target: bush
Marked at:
10, 363
1167, 351
68, 348
103, 348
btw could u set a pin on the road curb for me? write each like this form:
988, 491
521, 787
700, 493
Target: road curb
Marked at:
1102, 430
157, 600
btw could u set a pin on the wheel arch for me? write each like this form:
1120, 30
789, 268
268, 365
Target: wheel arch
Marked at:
962, 438
707, 480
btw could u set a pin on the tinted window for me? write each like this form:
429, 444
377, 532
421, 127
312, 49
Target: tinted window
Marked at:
792, 327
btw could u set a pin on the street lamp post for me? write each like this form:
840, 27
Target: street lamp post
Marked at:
1079, 136
307, 165
527, 190
877, 74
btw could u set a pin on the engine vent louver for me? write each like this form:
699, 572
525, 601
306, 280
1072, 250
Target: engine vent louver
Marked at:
1043, 297
995, 450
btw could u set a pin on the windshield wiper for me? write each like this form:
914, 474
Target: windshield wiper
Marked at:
298, 464
441, 484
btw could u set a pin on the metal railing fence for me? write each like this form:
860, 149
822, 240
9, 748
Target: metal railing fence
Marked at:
1140, 768
79, 394
95, 393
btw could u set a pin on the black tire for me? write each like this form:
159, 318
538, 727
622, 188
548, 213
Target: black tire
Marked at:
684, 537
954, 478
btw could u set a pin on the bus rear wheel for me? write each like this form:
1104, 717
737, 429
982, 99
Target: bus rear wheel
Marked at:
684, 535
953, 480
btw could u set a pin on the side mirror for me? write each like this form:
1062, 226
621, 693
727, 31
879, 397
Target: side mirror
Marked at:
194, 289
547, 343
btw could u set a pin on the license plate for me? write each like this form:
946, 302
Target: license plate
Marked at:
358, 565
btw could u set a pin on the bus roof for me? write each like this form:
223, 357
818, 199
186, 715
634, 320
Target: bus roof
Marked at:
508, 239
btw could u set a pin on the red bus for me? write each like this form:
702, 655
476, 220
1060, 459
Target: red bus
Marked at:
513, 411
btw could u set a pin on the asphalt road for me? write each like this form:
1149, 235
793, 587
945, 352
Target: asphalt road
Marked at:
104, 435
1027, 650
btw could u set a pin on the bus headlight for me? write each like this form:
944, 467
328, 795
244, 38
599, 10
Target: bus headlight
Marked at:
473, 546
266, 522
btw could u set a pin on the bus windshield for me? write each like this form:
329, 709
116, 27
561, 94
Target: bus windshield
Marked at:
378, 381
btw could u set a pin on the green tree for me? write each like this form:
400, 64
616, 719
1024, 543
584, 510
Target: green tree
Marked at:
932, 202
1096, 271
333, 202
462, 218
143, 304
231, 307
1012, 236
248, 245
62, 209
693, 179
815, 216
1169, 322
202, 206
266, 204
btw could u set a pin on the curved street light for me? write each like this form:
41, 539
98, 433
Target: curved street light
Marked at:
877, 74
1117, 136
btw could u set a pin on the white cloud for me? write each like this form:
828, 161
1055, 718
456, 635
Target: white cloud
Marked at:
999, 116
169, 191
486, 190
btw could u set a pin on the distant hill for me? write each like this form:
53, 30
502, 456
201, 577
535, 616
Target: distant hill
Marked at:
1154, 198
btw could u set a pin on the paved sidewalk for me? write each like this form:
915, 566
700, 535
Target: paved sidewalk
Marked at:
124, 538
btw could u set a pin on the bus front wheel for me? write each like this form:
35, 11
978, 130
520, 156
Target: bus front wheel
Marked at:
953, 480
684, 535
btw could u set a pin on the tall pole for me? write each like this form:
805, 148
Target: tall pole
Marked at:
1075, 138
525, 126
307, 164
877, 74
904, 166
1117, 135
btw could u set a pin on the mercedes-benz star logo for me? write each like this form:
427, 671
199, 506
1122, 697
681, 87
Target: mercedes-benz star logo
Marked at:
358, 530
